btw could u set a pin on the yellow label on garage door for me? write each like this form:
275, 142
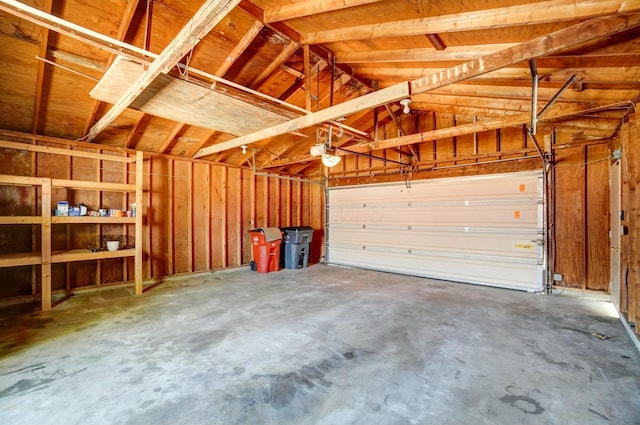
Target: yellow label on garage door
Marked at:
524, 245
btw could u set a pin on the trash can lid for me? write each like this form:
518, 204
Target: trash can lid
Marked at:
270, 233
296, 228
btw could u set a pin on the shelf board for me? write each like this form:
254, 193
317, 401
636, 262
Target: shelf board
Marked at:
22, 180
90, 185
85, 254
93, 220
25, 219
20, 259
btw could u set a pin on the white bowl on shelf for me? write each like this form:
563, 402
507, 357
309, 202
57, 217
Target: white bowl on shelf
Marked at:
113, 245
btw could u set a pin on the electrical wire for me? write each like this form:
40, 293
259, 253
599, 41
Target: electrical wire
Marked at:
580, 164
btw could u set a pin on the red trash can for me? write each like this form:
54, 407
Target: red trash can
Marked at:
266, 248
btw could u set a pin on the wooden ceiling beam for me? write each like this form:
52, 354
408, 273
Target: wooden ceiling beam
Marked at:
197, 146
44, 45
368, 101
525, 14
286, 53
207, 17
286, 31
436, 41
127, 17
498, 104
524, 93
132, 133
452, 53
41, 18
412, 61
244, 43
303, 8
558, 111
541, 46
289, 161
470, 111
177, 128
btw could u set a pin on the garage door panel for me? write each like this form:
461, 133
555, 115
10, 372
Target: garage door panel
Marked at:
469, 269
506, 215
514, 243
485, 230
509, 188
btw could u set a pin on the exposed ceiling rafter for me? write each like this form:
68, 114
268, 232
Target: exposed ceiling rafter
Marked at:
202, 22
541, 46
548, 11
303, 8
477, 127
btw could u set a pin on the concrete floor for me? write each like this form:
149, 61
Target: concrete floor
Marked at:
322, 345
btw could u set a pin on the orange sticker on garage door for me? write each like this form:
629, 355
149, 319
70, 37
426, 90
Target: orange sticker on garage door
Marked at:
523, 187
516, 214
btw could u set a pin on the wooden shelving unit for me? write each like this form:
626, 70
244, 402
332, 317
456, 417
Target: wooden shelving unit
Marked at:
46, 257
85, 254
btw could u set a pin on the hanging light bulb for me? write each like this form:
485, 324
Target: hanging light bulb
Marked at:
244, 149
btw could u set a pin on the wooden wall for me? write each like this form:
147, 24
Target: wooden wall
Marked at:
578, 190
200, 214
630, 243
198, 217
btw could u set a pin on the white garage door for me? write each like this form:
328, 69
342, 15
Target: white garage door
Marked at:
484, 229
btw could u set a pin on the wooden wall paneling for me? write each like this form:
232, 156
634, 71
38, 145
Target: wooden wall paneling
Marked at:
18, 200
285, 203
633, 212
130, 198
46, 247
296, 203
171, 217
190, 209
111, 270
141, 213
363, 163
351, 163
238, 218
466, 144
598, 216
233, 217
428, 122
253, 197
569, 216
217, 211
201, 219
445, 148
84, 273
511, 139
224, 231
262, 202
56, 166
158, 217
36, 231
248, 214
181, 217
314, 217
272, 201
487, 144
624, 141
277, 201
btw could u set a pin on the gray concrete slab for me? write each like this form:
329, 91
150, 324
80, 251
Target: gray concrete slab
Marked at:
322, 345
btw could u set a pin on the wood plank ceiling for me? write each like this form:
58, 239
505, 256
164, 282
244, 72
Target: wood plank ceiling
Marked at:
200, 79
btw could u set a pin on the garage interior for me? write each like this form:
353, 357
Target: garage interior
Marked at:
469, 170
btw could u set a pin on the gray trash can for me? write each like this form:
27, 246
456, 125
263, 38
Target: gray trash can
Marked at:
296, 246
